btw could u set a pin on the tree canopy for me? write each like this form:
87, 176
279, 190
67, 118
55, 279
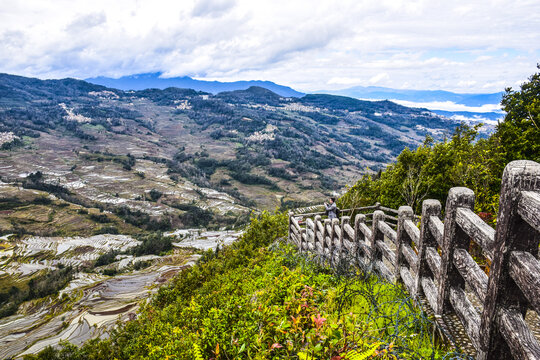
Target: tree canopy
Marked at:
433, 168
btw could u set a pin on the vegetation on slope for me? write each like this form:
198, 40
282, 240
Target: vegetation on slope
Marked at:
433, 168
259, 299
40, 286
320, 141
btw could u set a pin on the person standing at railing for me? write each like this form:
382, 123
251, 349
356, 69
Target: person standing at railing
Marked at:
331, 208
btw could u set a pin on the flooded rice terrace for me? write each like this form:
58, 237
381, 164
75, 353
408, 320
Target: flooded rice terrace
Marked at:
92, 303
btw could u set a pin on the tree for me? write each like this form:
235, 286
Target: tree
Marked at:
519, 134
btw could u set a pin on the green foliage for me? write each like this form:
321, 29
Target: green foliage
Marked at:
155, 195
17, 142
251, 301
519, 134
127, 161
99, 218
194, 215
107, 258
45, 284
152, 244
253, 179
432, 169
197, 352
110, 272
280, 173
355, 355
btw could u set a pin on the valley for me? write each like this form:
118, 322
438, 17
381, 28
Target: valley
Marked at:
106, 194
229, 152
94, 298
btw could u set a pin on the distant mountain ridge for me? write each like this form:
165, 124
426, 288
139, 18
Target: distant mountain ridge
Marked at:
244, 144
383, 93
154, 80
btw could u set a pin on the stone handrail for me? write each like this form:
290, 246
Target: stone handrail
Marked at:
433, 260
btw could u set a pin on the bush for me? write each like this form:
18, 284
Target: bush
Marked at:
249, 302
251, 179
152, 244
39, 286
42, 200
107, 230
110, 272
280, 173
155, 195
194, 215
99, 218
107, 258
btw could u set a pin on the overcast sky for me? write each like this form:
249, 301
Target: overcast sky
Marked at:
467, 46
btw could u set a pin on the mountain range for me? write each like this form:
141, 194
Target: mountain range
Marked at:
181, 157
157, 81
469, 107
419, 96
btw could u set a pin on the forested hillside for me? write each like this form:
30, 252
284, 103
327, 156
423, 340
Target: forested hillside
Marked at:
430, 170
161, 159
259, 299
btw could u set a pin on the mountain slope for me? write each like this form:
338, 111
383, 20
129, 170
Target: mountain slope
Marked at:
383, 93
182, 157
155, 80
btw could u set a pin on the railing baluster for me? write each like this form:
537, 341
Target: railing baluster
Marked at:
512, 234
342, 236
360, 242
316, 232
506, 293
377, 235
453, 237
402, 239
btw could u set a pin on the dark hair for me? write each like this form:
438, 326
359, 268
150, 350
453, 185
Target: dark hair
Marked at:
333, 199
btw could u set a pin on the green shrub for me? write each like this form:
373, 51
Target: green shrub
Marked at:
251, 301
37, 287
99, 218
152, 244
107, 258
110, 272
155, 195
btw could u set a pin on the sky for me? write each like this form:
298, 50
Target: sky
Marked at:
461, 46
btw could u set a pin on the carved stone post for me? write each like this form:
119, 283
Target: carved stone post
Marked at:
404, 213
429, 208
289, 239
330, 234
376, 235
311, 233
345, 220
303, 239
359, 236
317, 221
334, 225
453, 237
513, 234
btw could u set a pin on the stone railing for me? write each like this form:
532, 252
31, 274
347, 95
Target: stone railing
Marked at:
433, 260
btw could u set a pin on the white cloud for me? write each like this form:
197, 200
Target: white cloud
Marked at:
466, 83
344, 81
449, 106
87, 21
212, 8
382, 77
460, 45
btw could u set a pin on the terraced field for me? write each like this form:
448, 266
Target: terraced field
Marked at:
91, 303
